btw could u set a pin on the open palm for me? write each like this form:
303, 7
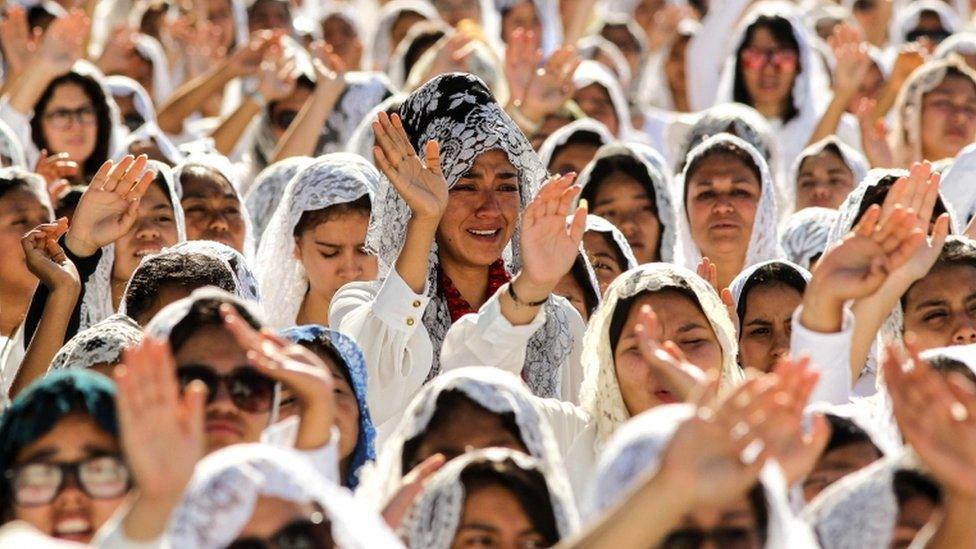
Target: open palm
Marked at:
420, 183
549, 247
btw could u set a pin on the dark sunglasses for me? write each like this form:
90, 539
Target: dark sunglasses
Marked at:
726, 538
39, 483
311, 533
282, 119
249, 390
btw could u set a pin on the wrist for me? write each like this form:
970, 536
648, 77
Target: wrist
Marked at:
529, 291
822, 314
66, 289
79, 247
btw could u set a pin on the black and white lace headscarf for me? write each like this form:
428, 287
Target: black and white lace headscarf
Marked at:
459, 112
435, 516
329, 180
804, 234
102, 343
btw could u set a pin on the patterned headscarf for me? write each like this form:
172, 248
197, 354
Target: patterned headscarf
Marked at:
102, 343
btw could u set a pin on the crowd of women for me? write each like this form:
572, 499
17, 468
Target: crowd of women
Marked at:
488, 273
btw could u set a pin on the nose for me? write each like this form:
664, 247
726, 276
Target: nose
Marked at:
71, 496
147, 230
723, 205
781, 345
218, 223
351, 267
221, 401
821, 191
965, 333
488, 207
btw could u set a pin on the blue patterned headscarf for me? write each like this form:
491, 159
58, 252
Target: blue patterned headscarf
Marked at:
354, 366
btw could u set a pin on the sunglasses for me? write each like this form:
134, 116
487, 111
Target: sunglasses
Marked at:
755, 59
39, 483
311, 533
248, 389
726, 538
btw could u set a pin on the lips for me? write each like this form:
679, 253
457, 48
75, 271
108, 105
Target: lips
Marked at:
665, 397
74, 529
723, 226
143, 251
223, 428
485, 235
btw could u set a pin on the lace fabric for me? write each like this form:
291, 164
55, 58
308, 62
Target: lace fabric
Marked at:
11, 148
388, 16
742, 121
600, 393
100, 344
267, 189
564, 134
763, 241
329, 180
805, 234
591, 72
596, 223
739, 283
435, 516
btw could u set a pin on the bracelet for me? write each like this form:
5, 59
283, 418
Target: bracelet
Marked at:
519, 302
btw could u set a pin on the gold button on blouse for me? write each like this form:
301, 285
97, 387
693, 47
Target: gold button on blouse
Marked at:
410, 321
416, 303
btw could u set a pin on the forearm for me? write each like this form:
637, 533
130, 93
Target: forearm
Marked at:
870, 314
229, 132
888, 97
519, 314
27, 89
48, 338
413, 260
189, 97
958, 525
147, 518
313, 432
303, 134
831, 117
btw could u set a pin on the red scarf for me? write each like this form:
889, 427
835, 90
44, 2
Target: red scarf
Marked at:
457, 305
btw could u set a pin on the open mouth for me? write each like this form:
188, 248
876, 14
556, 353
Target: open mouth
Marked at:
143, 252
485, 234
73, 528
665, 397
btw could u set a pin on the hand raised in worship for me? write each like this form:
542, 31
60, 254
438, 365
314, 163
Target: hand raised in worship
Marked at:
709, 271
667, 363
45, 258
54, 169
295, 367
63, 43
851, 59
330, 71
410, 487
115, 57
522, 57
276, 78
109, 206
246, 60
18, 40
552, 85
664, 29
874, 135
549, 242
420, 182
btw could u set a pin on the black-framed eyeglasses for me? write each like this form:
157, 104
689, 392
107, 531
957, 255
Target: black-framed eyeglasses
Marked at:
249, 390
311, 533
61, 119
726, 538
39, 482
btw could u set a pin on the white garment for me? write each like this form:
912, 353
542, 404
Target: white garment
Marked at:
12, 353
830, 356
708, 49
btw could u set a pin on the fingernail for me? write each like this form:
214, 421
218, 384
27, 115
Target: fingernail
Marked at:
584, 204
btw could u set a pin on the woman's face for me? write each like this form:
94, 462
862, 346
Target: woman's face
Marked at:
69, 122
454, 11
768, 69
603, 258
870, 88
341, 35
823, 180
737, 520
940, 309
596, 103
572, 158
767, 325
470, 428
20, 211
221, 14
913, 514
269, 15
493, 517
948, 118
333, 253
571, 290
212, 209
682, 322
623, 201
404, 22
835, 464
520, 16
620, 36
154, 229
721, 200
482, 209
72, 515
674, 67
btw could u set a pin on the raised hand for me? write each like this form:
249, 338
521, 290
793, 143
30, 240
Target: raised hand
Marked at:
709, 271
453, 55
552, 85
19, 42
277, 78
549, 246
522, 57
115, 57
55, 169
665, 28
330, 71
63, 43
668, 364
410, 487
109, 206
420, 182
874, 135
246, 61
46, 260
851, 58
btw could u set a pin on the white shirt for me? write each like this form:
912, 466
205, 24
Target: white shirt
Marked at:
830, 356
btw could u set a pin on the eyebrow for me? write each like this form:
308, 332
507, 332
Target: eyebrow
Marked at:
759, 321
41, 454
199, 195
931, 303
479, 526
687, 327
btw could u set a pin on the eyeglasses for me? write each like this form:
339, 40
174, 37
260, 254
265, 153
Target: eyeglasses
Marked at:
726, 538
754, 59
311, 533
61, 119
283, 118
249, 390
39, 483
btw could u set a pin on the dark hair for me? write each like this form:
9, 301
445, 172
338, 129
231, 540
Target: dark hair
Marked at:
527, 485
844, 432
768, 275
956, 252
910, 484
581, 274
782, 32
18, 178
581, 137
423, 40
618, 252
760, 508
313, 218
722, 148
103, 118
187, 271
39, 15
876, 194
202, 171
68, 201
324, 347
205, 312
622, 310
447, 402
945, 366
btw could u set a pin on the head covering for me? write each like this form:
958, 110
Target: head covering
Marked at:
737, 119
600, 393
396, 67
961, 43
566, 133
337, 178
805, 234
739, 283
150, 49
598, 224
636, 449
906, 134
482, 62
96, 304
590, 47
265, 192
655, 90
496, 390
656, 170
161, 326
854, 160
459, 112
388, 16
591, 72
245, 283
549, 20
435, 516
222, 494
957, 186
354, 365
11, 147
149, 130
907, 16
763, 242
102, 343
363, 140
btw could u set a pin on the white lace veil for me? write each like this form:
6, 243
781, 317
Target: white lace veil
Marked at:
96, 304
362, 140
221, 497
739, 282
600, 393
564, 134
496, 390
99, 344
161, 325
245, 282
11, 147
598, 224
329, 180
804, 234
854, 160
389, 13
763, 242
436, 514
265, 192
957, 186
657, 171
149, 48
591, 72
961, 43
149, 130
635, 451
